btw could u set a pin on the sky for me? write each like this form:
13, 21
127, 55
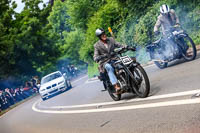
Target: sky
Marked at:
20, 5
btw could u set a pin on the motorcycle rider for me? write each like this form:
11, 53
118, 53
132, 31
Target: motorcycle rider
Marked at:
166, 19
102, 50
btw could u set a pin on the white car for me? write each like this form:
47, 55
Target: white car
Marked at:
52, 84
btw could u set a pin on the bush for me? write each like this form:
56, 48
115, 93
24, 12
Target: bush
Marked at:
93, 70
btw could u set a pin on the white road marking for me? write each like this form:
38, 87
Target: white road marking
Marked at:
150, 105
132, 107
132, 100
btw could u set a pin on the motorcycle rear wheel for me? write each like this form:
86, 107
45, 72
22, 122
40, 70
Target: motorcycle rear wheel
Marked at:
140, 75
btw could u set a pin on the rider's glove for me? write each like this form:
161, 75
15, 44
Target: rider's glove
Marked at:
98, 59
102, 57
157, 33
112, 53
108, 56
133, 48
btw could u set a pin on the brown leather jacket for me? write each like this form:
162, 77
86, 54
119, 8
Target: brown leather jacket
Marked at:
166, 21
100, 49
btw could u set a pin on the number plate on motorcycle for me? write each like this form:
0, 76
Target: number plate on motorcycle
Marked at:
126, 60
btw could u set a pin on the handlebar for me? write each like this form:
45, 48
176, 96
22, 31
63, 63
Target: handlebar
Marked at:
120, 51
113, 54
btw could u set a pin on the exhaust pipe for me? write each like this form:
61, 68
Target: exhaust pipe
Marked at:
160, 60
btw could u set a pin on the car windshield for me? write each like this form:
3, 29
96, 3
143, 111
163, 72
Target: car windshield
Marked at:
50, 77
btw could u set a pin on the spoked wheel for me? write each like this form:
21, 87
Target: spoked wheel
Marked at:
141, 84
112, 93
189, 49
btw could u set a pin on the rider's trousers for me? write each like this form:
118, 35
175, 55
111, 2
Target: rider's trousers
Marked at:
111, 73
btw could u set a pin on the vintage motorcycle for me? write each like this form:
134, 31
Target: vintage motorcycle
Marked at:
131, 77
175, 44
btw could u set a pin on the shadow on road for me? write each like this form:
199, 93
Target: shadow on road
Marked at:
180, 61
154, 91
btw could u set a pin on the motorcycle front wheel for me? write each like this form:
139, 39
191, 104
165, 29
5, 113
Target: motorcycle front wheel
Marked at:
189, 49
113, 95
140, 84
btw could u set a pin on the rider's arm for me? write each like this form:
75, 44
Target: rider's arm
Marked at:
175, 16
96, 54
157, 25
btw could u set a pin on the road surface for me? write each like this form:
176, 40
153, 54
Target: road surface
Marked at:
170, 108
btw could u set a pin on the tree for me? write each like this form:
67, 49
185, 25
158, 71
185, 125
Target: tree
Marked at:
27, 45
73, 42
80, 11
35, 46
52, 2
6, 35
59, 19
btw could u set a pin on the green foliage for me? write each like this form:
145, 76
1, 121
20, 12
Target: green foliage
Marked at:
144, 29
28, 46
59, 19
34, 46
6, 35
107, 15
191, 22
93, 70
126, 32
136, 7
73, 42
80, 11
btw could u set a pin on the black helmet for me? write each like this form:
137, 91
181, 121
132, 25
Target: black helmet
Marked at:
99, 32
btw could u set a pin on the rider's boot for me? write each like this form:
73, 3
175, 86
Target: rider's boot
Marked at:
117, 88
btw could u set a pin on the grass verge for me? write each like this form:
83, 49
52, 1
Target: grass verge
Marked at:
93, 70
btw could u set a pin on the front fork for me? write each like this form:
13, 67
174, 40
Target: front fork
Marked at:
130, 75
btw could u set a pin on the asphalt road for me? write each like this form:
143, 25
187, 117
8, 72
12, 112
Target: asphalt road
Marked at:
170, 108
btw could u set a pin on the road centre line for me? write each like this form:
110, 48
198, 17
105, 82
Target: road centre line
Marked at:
132, 107
132, 100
